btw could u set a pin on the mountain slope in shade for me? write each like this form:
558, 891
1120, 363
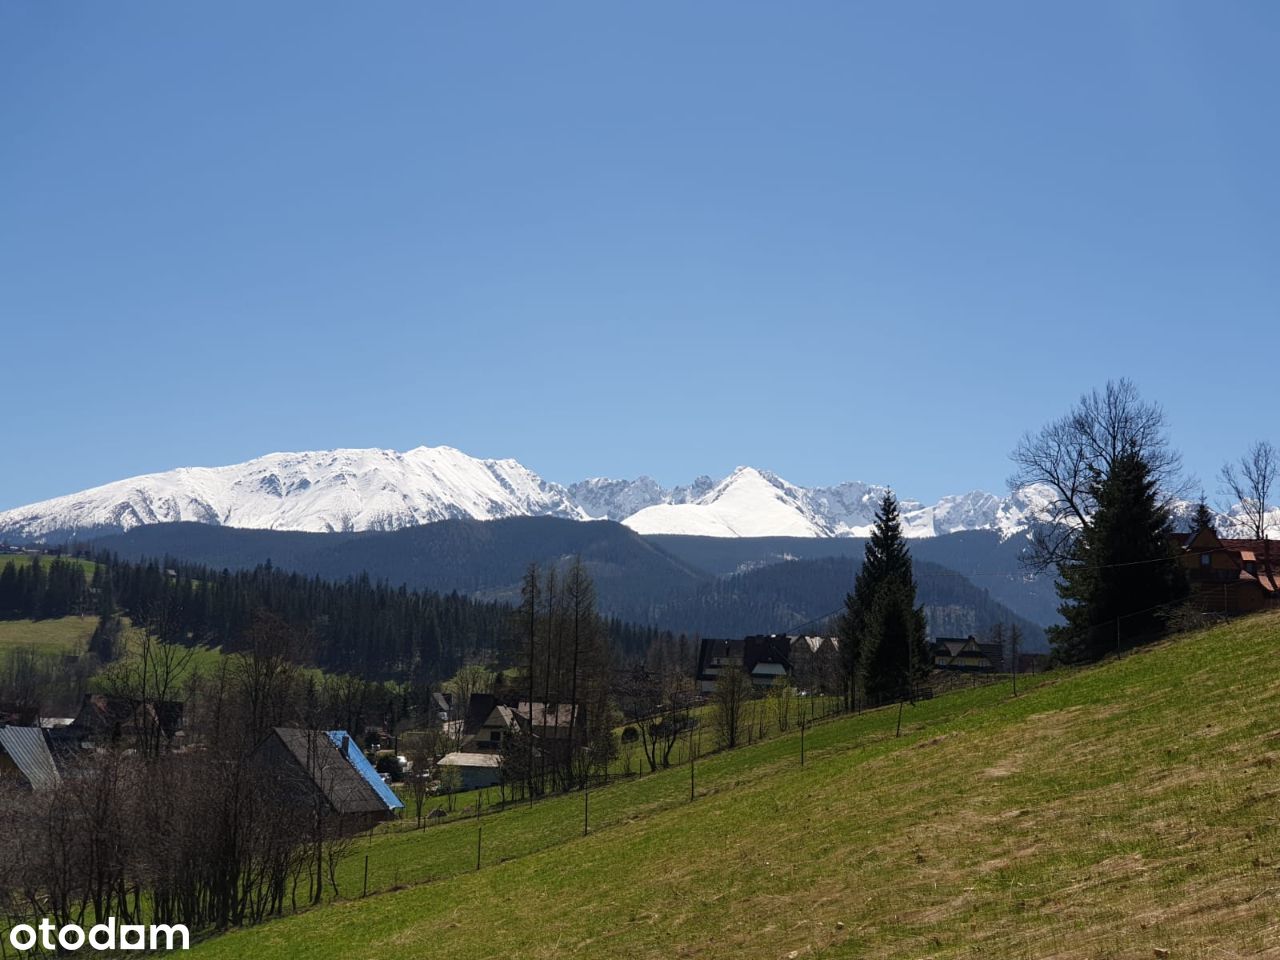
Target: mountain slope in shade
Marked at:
646, 581
325, 491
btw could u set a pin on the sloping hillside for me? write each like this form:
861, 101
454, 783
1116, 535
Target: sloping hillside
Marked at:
1110, 813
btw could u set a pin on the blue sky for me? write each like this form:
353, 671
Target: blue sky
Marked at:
839, 241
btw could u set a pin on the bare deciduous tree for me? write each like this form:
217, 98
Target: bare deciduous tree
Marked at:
1069, 455
151, 678
732, 693
1250, 481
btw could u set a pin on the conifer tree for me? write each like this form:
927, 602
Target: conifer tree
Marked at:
882, 632
895, 633
1203, 518
1123, 578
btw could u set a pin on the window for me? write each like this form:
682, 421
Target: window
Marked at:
1205, 560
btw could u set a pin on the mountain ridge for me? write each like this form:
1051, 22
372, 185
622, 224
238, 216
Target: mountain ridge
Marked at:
356, 489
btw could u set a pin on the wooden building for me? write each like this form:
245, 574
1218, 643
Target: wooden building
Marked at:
1230, 576
967, 655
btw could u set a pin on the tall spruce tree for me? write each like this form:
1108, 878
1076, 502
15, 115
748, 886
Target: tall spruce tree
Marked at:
896, 660
1122, 580
882, 632
1203, 518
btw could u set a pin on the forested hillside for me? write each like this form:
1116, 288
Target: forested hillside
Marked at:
355, 625
656, 582
994, 564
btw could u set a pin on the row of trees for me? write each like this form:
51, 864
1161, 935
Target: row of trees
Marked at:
562, 644
32, 589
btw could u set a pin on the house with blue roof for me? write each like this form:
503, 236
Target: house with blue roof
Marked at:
327, 766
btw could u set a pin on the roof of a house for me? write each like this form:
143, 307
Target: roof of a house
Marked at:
339, 778
748, 651
506, 716
365, 769
814, 644
968, 646
29, 751
555, 719
102, 713
479, 706
460, 759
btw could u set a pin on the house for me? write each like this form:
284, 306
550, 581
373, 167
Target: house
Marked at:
815, 664
1230, 575
441, 705
24, 714
549, 722
475, 770
552, 726
328, 765
762, 658
488, 725
968, 655
25, 759
107, 719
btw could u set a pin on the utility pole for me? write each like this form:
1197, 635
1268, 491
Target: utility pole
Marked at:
586, 810
691, 774
1014, 643
802, 726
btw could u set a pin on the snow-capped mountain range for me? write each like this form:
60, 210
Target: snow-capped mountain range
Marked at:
347, 490
324, 491
755, 503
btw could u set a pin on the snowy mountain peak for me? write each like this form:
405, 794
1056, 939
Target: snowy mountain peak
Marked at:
747, 503
324, 491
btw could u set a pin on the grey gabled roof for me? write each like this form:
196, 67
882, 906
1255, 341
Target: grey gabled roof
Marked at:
332, 773
29, 751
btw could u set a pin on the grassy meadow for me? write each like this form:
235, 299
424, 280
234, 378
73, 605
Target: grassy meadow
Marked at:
63, 635
1109, 812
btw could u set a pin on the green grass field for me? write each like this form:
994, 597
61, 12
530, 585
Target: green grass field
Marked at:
21, 559
63, 635
70, 635
1106, 813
